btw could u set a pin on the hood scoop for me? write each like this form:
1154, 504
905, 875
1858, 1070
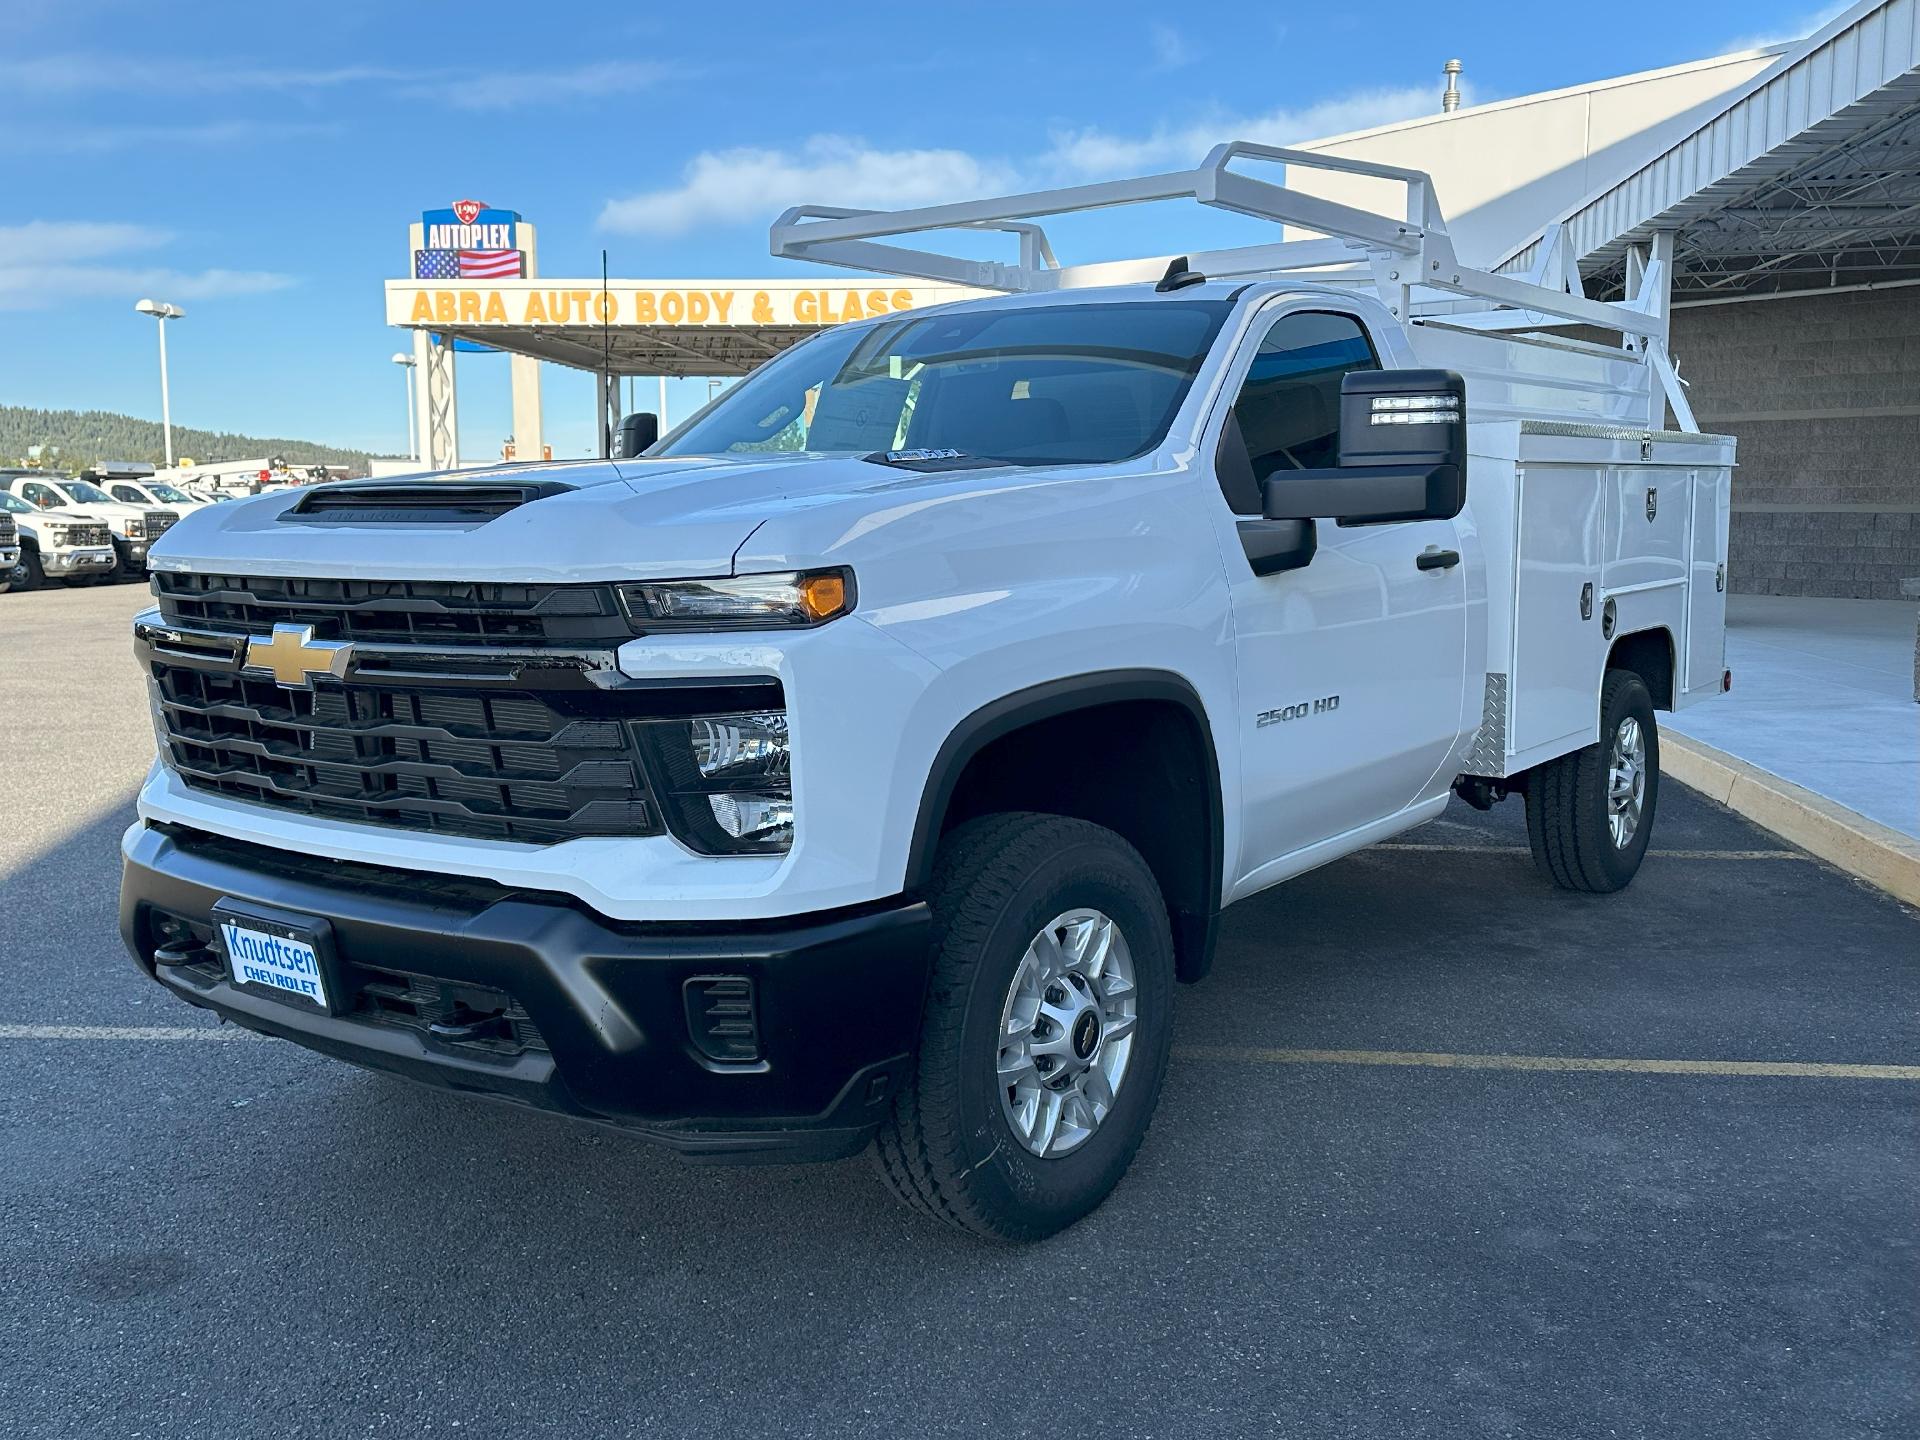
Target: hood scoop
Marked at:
430, 502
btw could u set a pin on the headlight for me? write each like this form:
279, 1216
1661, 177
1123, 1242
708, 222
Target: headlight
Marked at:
135, 530
727, 780
740, 602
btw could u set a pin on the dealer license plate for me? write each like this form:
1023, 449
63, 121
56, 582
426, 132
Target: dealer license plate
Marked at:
275, 958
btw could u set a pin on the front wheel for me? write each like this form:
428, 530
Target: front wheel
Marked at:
1046, 1032
1590, 814
28, 575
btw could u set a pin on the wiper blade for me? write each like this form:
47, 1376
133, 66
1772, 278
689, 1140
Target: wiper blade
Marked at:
931, 459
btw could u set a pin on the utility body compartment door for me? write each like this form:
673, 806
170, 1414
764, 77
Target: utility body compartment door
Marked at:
1706, 657
1557, 646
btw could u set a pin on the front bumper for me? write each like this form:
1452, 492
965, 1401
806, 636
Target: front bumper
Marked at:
132, 553
91, 560
608, 1033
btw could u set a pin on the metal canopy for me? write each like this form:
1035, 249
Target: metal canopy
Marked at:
1809, 177
677, 352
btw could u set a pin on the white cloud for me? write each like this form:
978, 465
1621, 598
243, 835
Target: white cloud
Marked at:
509, 89
1790, 31
99, 139
748, 184
1170, 48
43, 241
1091, 154
462, 87
44, 262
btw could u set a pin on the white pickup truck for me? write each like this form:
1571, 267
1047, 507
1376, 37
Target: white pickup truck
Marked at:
51, 544
132, 529
865, 762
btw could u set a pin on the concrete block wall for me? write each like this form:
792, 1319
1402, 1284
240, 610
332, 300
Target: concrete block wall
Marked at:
1824, 395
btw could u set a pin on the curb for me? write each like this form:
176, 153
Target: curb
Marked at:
1863, 848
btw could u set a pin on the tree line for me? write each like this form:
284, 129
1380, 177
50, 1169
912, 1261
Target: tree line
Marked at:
84, 437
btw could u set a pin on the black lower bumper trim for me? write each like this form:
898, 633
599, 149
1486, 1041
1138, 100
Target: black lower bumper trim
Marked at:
601, 1024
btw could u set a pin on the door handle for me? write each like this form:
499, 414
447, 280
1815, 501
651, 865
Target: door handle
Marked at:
1437, 559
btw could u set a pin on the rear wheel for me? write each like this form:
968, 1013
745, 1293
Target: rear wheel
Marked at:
1590, 814
1045, 1039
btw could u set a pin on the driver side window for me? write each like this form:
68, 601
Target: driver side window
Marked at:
1288, 410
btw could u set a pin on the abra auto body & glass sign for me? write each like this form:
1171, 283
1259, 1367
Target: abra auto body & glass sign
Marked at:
535, 303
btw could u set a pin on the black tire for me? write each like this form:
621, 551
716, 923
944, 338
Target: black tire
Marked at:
1567, 808
947, 1148
28, 575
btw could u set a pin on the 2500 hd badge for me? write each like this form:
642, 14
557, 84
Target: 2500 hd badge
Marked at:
1322, 706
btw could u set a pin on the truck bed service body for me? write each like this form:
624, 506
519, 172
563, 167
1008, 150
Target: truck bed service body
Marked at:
864, 762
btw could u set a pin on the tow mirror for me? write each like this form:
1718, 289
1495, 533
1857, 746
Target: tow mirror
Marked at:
637, 432
1403, 454
1271, 545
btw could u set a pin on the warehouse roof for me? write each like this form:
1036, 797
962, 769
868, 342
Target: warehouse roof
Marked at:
1807, 176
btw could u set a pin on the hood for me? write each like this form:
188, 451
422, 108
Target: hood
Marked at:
580, 522
106, 510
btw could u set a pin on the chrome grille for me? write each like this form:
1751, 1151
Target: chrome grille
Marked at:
520, 766
398, 612
88, 535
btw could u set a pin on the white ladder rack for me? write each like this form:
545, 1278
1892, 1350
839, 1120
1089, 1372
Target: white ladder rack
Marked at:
1408, 259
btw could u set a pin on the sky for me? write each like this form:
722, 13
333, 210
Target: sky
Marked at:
259, 166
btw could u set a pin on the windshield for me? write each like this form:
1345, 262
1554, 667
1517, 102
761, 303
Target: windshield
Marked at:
12, 502
87, 493
1025, 385
169, 494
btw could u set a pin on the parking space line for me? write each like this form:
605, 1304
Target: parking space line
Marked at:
1651, 854
1791, 1069
124, 1032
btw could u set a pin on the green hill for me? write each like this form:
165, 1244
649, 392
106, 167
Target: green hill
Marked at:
85, 436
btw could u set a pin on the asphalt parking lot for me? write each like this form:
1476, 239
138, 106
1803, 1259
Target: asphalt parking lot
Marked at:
1444, 1152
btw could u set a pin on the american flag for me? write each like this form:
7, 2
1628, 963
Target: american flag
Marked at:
467, 265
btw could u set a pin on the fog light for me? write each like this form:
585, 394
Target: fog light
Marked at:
760, 819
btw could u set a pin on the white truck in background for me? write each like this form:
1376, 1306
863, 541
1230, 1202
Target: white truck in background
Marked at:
864, 762
132, 529
52, 544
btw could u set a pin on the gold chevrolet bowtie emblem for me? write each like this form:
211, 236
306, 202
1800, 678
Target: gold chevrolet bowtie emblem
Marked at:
294, 657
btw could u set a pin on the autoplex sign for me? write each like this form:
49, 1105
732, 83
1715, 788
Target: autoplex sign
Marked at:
469, 240
539, 304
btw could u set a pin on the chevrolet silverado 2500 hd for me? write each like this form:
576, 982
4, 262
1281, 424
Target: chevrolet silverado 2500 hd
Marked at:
865, 762
133, 528
54, 545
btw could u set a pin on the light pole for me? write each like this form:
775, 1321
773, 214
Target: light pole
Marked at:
163, 312
413, 445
